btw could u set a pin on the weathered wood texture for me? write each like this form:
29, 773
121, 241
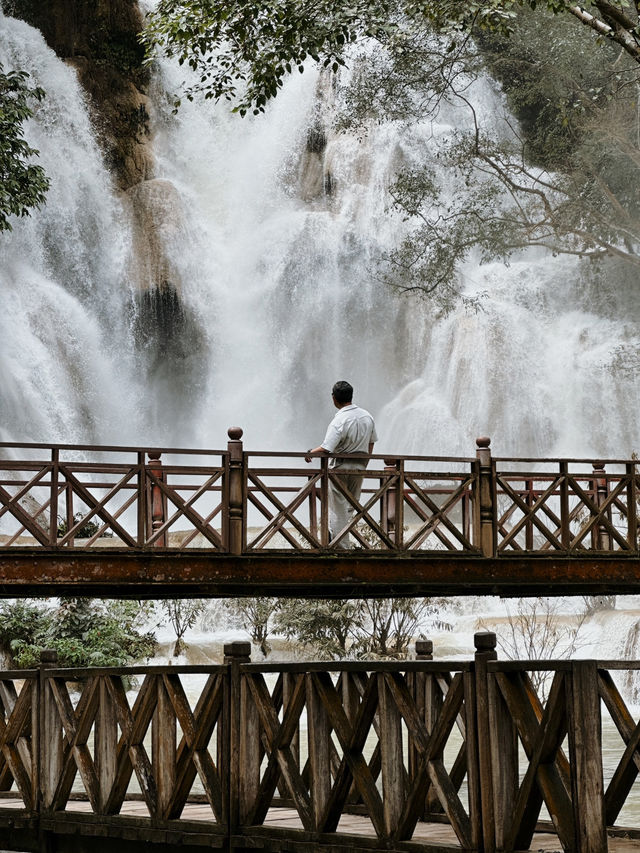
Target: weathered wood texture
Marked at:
236, 502
471, 745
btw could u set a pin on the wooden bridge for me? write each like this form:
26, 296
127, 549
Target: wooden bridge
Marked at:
140, 522
421, 756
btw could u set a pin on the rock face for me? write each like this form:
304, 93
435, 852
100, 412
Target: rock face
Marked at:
100, 38
158, 233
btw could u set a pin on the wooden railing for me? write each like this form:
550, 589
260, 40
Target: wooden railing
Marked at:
236, 502
462, 754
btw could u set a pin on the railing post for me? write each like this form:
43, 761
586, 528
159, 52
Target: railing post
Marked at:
324, 501
106, 742
485, 643
484, 504
50, 731
602, 539
392, 502
236, 751
585, 750
632, 506
157, 502
142, 502
163, 748
53, 505
388, 514
235, 510
428, 699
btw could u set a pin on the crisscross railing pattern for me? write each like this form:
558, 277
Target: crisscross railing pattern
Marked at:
405, 504
236, 502
99, 497
103, 741
547, 752
375, 740
471, 749
568, 511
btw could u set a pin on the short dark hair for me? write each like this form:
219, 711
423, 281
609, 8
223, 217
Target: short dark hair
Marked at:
343, 392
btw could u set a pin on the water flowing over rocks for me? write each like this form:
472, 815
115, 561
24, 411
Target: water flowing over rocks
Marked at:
99, 38
236, 277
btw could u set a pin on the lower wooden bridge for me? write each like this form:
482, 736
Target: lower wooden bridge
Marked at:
140, 522
420, 756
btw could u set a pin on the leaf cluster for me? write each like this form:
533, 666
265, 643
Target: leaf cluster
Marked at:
23, 184
84, 632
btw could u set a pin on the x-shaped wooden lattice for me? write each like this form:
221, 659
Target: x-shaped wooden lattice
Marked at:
437, 517
629, 765
192, 756
15, 739
546, 779
185, 508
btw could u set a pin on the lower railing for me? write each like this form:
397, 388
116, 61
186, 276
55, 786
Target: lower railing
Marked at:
479, 754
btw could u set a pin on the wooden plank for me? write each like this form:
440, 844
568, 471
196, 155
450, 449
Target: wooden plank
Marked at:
391, 755
249, 757
504, 761
585, 746
163, 748
106, 742
319, 735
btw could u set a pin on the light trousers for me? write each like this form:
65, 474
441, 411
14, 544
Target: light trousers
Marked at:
340, 510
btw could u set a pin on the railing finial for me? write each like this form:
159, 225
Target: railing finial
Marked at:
483, 441
424, 649
238, 650
485, 641
235, 433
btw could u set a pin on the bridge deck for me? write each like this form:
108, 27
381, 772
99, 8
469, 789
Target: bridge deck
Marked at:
281, 827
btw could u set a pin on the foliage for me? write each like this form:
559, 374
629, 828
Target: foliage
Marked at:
183, 614
256, 615
327, 628
85, 531
23, 185
356, 628
389, 625
244, 50
83, 631
563, 179
20, 621
536, 630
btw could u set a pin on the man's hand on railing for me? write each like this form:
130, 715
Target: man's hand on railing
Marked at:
313, 451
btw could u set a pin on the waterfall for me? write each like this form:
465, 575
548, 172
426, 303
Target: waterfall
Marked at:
64, 344
238, 284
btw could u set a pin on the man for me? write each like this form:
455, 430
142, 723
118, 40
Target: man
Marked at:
352, 430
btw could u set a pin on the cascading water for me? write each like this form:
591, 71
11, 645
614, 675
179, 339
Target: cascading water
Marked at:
263, 236
64, 344
274, 223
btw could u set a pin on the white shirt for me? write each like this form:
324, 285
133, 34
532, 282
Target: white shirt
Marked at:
351, 431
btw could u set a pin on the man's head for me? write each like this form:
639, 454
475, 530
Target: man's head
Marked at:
342, 393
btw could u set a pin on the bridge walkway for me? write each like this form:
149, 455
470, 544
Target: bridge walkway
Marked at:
354, 832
